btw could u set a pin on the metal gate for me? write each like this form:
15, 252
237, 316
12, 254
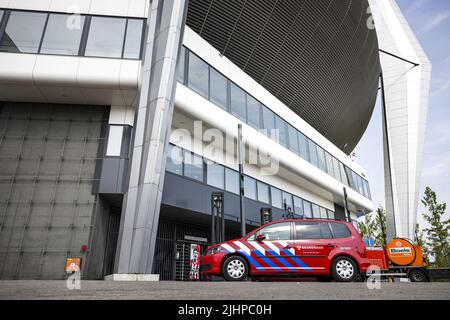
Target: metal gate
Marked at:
182, 259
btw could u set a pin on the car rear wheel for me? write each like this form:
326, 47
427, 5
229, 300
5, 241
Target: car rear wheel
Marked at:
344, 269
235, 268
417, 275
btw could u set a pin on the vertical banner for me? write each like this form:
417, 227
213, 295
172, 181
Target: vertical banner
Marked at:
194, 262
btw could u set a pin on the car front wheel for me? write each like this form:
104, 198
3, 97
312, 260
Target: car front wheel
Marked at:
344, 269
235, 268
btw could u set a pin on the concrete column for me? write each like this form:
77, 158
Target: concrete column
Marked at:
142, 202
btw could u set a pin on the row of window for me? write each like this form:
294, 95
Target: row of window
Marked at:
209, 83
193, 166
303, 230
72, 35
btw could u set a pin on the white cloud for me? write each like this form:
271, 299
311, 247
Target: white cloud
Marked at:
437, 167
435, 22
416, 5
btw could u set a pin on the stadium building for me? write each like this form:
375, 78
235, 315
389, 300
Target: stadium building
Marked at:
119, 139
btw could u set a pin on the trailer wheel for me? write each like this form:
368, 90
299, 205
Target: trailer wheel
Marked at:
417, 275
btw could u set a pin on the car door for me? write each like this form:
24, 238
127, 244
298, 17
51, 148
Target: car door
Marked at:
274, 253
313, 245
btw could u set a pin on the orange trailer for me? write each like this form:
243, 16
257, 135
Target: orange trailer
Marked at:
401, 257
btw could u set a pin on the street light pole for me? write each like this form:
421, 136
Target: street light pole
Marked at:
241, 180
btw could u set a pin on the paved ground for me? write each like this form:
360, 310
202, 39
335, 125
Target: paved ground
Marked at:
220, 290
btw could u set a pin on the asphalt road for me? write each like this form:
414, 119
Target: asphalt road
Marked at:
22, 289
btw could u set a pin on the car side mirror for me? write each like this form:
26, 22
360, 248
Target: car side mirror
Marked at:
261, 237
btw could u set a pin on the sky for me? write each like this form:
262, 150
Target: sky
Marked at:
430, 21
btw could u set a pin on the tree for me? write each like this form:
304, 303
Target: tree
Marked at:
372, 228
438, 233
380, 225
367, 228
421, 241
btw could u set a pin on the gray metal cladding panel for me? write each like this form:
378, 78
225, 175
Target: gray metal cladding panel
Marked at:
318, 57
48, 155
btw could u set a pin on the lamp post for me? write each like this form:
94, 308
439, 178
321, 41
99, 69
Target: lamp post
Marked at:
266, 215
217, 230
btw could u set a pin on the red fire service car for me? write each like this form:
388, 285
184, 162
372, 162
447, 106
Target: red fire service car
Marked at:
291, 247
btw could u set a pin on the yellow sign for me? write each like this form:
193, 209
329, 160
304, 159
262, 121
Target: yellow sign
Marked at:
73, 265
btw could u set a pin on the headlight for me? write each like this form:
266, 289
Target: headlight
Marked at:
212, 251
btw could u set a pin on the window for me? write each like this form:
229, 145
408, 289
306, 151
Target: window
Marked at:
293, 140
307, 206
329, 161
303, 146
278, 231
360, 184
253, 112
238, 102
307, 230
321, 158
181, 65
367, 189
215, 175
231, 181
287, 201
325, 230
313, 153
281, 126
323, 213
343, 174
268, 121
114, 141
331, 215
316, 211
1, 15
250, 188
174, 160
340, 230
349, 173
193, 166
105, 37
298, 206
62, 37
263, 192
337, 171
276, 197
133, 40
218, 89
23, 32
198, 75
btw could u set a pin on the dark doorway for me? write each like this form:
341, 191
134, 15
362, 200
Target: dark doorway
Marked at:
111, 241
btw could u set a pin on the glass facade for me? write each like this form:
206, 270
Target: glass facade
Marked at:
183, 162
23, 32
105, 37
219, 89
238, 102
215, 175
253, 112
263, 192
133, 39
250, 188
70, 35
198, 75
231, 181
61, 37
246, 108
193, 166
